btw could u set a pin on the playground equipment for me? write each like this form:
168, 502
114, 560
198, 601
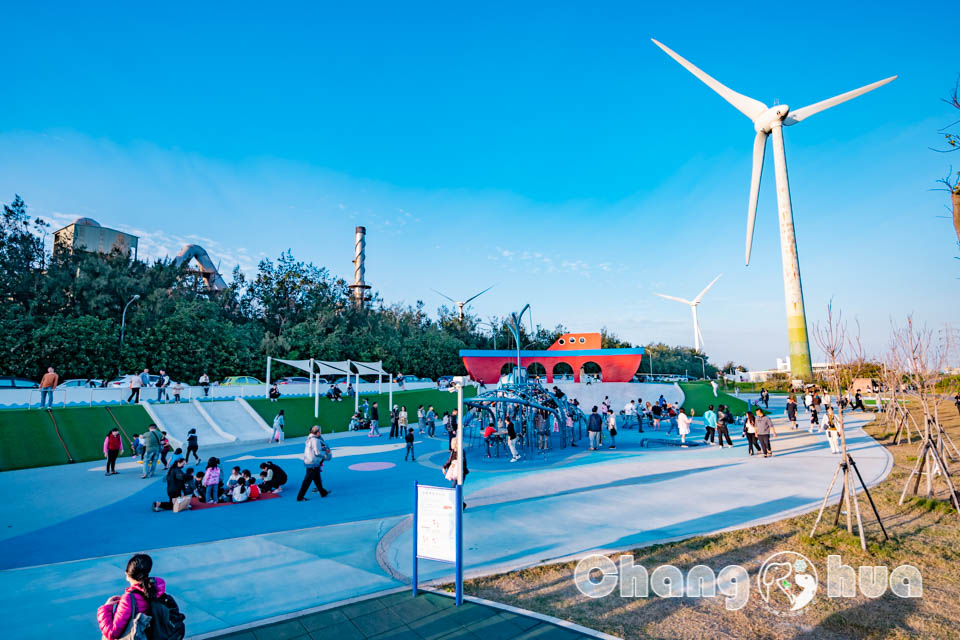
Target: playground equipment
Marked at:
205, 267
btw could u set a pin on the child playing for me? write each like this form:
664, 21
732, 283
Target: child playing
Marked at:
253, 489
199, 489
192, 445
814, 419
190, 483
211, 480
177, 455
374, 428
409, 438
137, 445
177, 390
235, 475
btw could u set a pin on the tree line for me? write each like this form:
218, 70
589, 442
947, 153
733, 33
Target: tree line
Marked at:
64, 309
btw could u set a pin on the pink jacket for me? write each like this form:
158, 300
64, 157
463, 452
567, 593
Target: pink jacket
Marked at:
211, 476
114, 623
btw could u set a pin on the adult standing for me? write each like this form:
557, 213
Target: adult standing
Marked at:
594, 427
764, 429
723, 421
612, 429
394, 421
162, 383
278, 423
421, 419
710, 424
375, 419
135, 384
145, 378
431, 421
512, 439
629, 413
152, 443
176, 477
48, 383
450, 471
452, 426
683, 426
314, 452
792, 410
832, 435
750, 431
112, 449
205, 384
808, 401
715, 387
827, 400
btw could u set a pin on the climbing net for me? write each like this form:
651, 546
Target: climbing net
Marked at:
539, 416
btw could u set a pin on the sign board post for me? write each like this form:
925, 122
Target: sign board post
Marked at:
436, 528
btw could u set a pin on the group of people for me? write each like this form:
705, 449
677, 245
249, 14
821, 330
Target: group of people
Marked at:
210, 486
167, 390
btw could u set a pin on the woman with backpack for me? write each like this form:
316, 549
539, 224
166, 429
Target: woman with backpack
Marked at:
112, 449
121, 615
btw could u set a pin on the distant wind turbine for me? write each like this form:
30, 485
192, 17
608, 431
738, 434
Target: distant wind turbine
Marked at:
767, 121
697, 336
461, 305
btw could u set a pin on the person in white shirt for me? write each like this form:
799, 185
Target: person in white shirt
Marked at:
629, 412
826, 400
240, 493
808, 400
713, 383
683, 426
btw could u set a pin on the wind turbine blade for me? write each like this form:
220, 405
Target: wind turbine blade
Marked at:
444, 295
705, 289
744, 104
672, 298
805, 112
759, 149
479, 294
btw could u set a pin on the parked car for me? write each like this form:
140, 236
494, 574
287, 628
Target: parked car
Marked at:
92, 383
294, 380
124, 381
13, 382
444, 381
240, 380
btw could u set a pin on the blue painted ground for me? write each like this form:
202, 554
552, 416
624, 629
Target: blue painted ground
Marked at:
67, 531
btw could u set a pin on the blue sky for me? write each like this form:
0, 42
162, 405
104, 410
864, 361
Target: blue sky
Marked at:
551, 150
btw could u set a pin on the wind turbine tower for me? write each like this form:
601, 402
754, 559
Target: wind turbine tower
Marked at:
769, 121
462, 304
697, 336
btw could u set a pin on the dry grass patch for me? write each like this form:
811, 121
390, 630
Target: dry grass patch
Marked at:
924, 533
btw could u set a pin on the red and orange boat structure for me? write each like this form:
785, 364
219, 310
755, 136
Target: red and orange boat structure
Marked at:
572, 349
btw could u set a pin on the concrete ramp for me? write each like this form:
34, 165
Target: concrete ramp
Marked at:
619, 392
237, 420
178, 419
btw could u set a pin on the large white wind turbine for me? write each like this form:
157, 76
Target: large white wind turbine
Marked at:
697, 336
767, 121
461, 305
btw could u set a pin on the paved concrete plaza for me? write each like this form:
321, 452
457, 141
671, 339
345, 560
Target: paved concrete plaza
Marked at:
68, 531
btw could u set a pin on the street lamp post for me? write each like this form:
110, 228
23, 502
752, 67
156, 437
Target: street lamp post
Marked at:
123, 322
703, 362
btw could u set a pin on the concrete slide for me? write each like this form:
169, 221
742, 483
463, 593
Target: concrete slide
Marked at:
232, 417
178, 419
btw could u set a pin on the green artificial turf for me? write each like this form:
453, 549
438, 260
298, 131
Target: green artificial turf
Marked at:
698, 395
28, 439
335, 416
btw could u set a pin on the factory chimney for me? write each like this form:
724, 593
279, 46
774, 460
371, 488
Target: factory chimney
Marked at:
359, 286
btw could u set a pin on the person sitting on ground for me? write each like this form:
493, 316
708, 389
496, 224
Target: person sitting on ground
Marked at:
337, 394
276, 477
274, 392
175, 481
240, 493
190, 482
233, 478
355, 421
253, 489
114, 616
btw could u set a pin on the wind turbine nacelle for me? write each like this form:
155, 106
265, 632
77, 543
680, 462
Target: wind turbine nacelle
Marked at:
771, 117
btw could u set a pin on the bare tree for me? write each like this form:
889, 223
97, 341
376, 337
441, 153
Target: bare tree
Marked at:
921, 358
952, 180
832, 337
